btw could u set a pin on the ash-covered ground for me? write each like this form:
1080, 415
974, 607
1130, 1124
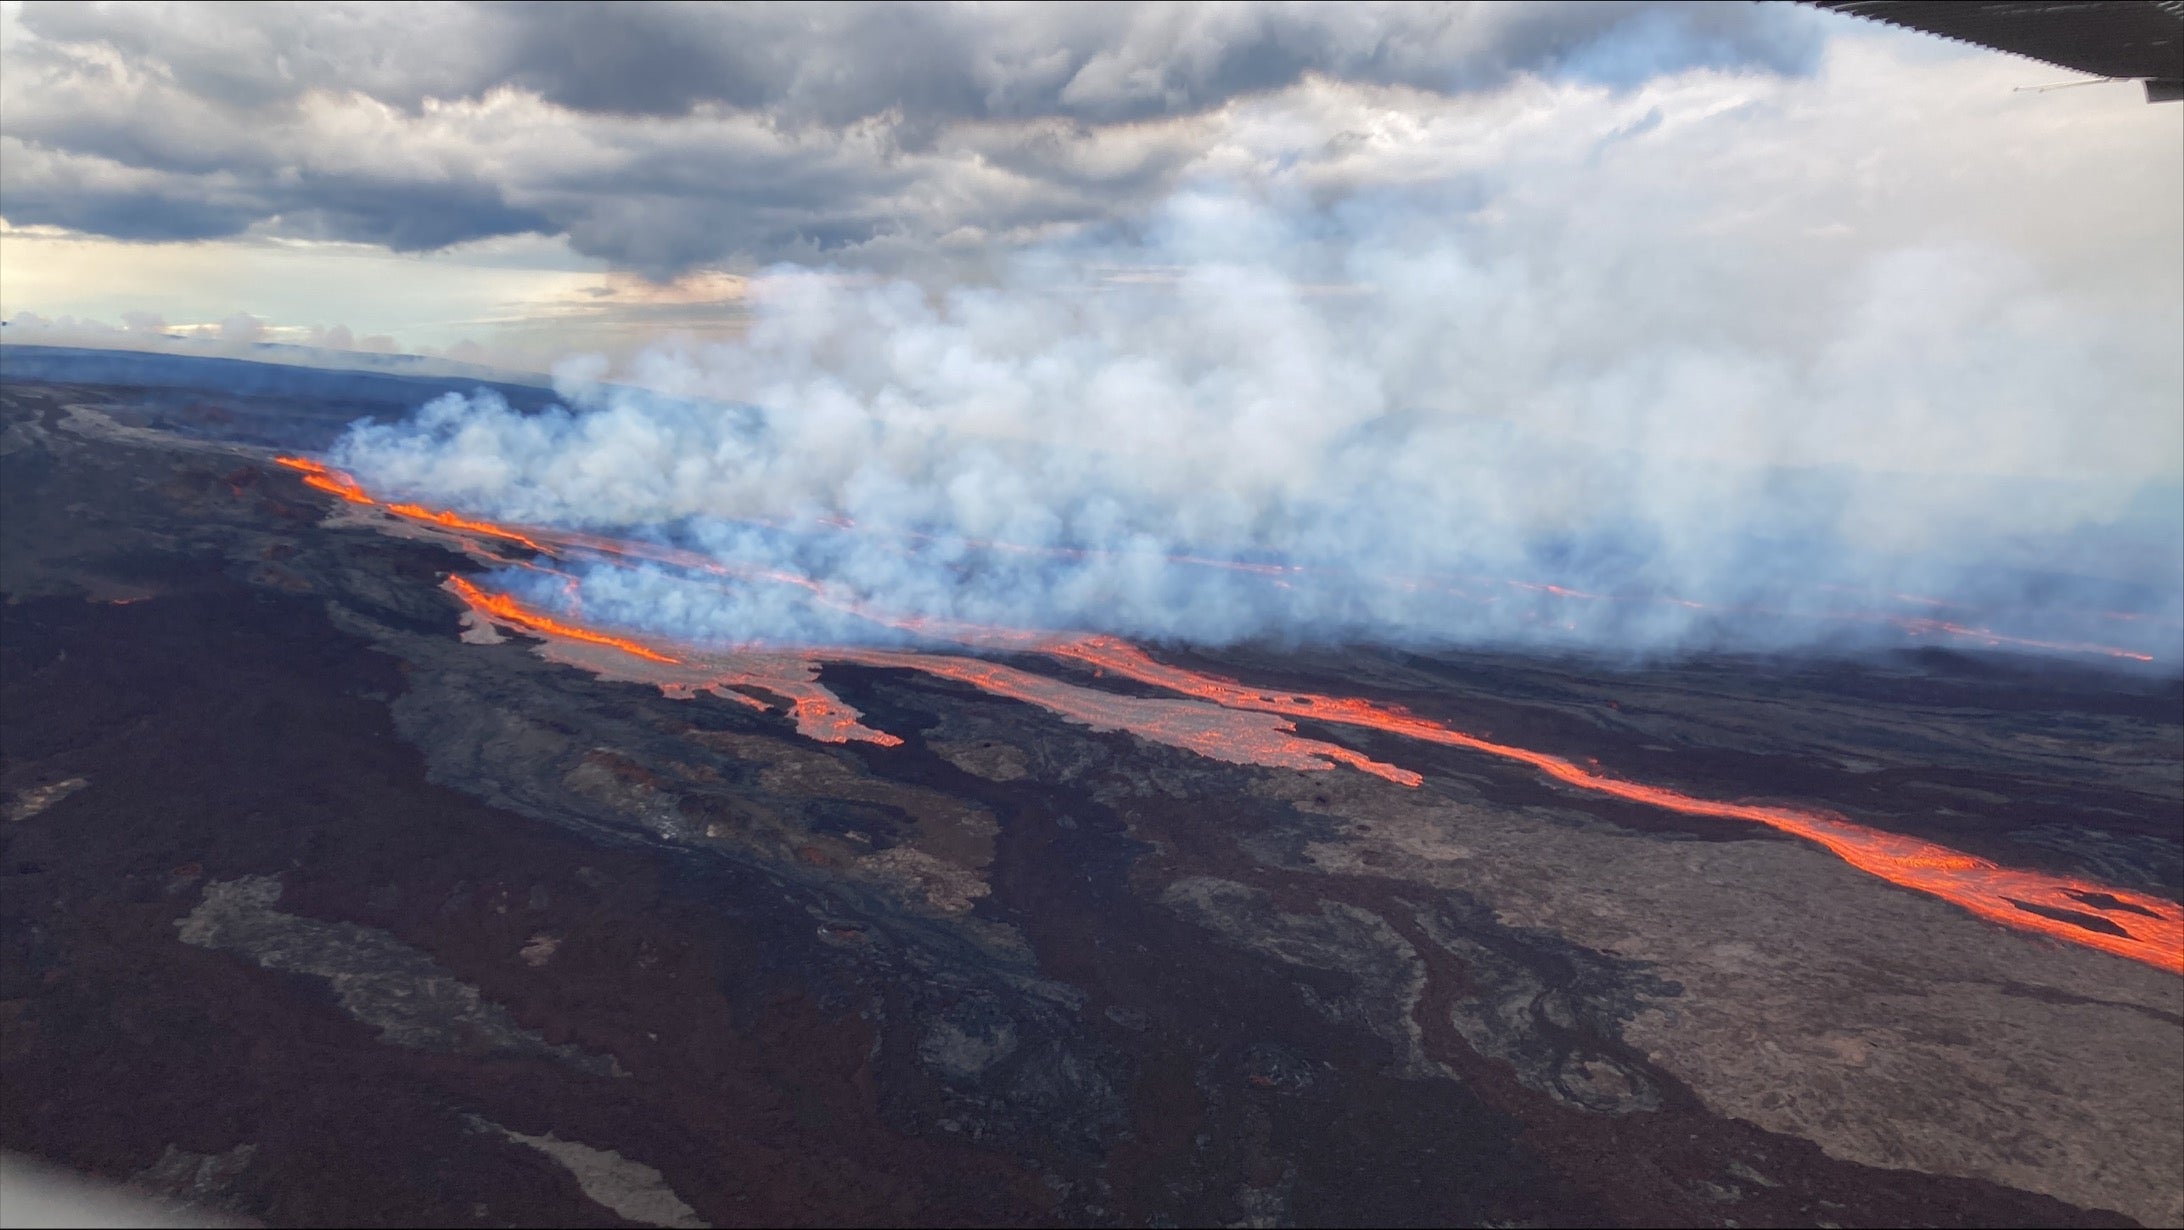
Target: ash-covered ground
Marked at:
318, 913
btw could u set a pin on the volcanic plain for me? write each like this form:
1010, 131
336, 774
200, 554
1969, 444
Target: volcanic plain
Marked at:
331, 901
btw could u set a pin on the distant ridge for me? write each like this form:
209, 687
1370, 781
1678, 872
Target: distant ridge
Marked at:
260, 378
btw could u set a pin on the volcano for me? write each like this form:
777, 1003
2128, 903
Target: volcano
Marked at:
357, 872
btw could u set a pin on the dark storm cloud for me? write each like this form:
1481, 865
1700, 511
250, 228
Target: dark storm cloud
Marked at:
134, 213
835, 63
1099, 63
406, 217
663, 136
104, 196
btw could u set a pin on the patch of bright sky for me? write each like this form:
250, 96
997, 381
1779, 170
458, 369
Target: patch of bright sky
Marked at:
434, 299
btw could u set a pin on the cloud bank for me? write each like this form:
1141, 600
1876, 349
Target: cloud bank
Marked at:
663, 137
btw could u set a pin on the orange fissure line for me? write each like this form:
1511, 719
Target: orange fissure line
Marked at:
507, 609
418, 512
2151, 930
336, 483
1988, 636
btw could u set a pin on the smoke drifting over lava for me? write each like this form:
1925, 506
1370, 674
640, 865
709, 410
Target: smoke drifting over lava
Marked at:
1239, 424
1231, 721
1218, 717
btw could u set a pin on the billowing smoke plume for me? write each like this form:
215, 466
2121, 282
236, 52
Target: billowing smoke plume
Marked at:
1725, 364
1377, 432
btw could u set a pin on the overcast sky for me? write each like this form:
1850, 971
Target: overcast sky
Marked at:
538, 179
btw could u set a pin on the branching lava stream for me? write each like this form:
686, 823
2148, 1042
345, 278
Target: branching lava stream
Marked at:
1228, 720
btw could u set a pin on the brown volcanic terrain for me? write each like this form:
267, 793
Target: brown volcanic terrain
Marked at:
318, 912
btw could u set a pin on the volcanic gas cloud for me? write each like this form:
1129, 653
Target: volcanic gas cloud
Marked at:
1241, 422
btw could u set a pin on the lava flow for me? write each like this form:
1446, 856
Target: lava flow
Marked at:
1987, 636
1214, 731
2000, 894
336, 483
508, 610
1218, 733
2154, 934
1227, 720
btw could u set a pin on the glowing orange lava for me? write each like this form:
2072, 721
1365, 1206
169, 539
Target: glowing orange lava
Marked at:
2154, 933
316, 475
1918, 627
1228, 720
337, 483
791, 679
448, 520
1216, 732
508, 610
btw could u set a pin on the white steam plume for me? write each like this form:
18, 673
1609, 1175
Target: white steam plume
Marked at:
1589, 371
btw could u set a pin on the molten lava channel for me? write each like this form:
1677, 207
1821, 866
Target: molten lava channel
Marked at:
336, 483
1227, 720
2154, 933
504, 609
